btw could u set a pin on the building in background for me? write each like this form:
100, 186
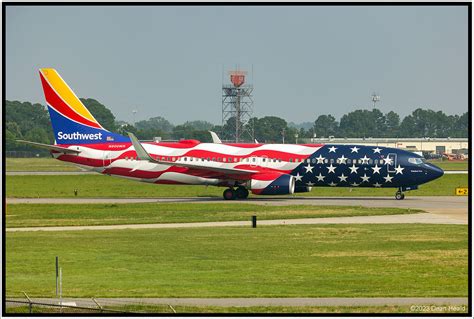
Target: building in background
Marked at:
426, 145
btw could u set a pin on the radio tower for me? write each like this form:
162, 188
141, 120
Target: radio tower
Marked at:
237, 106
375, 98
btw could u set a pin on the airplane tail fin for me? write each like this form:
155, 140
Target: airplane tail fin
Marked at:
72, 122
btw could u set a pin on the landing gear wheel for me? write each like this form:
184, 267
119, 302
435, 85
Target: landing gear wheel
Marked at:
399, 196
242, 193
229, 194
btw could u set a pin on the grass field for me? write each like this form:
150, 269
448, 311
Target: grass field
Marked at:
27, 215
41, 164
106, 186
451, 165
272, 261
269, 310
50, 164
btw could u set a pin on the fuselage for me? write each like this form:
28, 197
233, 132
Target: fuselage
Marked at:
310, 164
263, 169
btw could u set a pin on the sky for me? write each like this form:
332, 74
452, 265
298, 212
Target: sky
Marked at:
171, 61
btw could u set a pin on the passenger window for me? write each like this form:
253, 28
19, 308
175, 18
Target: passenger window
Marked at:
376, 161
381, 162
263, 159
190, 159
174, 159
291, 160
208, 159
247, 159
253, 159
371, 161
326, 161
332, 160
349, 161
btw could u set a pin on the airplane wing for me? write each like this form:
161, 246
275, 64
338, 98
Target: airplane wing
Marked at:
142, 154
51, 147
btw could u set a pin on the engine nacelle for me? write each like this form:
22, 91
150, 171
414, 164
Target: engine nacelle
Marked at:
272, 184
303, 189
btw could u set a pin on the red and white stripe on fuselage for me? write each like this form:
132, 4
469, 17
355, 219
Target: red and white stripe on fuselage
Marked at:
118, 159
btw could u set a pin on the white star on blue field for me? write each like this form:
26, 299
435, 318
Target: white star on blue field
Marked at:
351, 166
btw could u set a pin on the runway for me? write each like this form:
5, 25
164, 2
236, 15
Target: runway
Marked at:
439, 210
450, 206
422, 218
256, 302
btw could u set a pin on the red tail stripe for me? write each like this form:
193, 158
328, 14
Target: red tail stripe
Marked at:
57, 103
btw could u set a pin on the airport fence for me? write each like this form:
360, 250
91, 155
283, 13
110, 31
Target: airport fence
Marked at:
83, 306
13, 306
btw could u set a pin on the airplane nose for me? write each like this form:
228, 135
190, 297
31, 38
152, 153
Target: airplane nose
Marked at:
435, 172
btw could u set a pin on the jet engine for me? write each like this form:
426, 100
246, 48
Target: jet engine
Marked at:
303, 189
272, 184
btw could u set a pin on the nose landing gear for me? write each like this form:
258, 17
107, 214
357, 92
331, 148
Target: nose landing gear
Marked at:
399, 195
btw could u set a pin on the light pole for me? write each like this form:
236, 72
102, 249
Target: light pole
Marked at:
134, 112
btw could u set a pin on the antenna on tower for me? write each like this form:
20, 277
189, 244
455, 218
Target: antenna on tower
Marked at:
375, 98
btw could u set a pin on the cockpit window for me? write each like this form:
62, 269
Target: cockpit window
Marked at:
415, 160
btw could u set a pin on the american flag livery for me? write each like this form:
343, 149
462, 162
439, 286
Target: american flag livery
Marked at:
263, 169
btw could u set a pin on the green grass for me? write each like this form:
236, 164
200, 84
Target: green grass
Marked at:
40, 164
272, 261
451, 165
146, 308
27, 215
106, 186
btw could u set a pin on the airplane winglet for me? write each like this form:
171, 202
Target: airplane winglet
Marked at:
142, 154
215, 138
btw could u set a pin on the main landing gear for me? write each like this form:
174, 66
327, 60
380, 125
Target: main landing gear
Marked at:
399, 195
239, 193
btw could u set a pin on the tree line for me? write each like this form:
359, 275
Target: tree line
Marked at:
31, 122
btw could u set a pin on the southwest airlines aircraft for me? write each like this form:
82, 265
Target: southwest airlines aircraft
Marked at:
263, 169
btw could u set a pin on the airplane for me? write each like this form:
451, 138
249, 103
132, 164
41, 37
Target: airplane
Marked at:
263, 169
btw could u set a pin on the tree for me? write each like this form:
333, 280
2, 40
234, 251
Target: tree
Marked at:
462, 126
392, 123
358, 123
407, 127
101, 113
326, 125
187, 132
269, 129
200, 125
155, 123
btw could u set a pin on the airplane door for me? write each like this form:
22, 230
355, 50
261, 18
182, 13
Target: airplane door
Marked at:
391, 162
107, 159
